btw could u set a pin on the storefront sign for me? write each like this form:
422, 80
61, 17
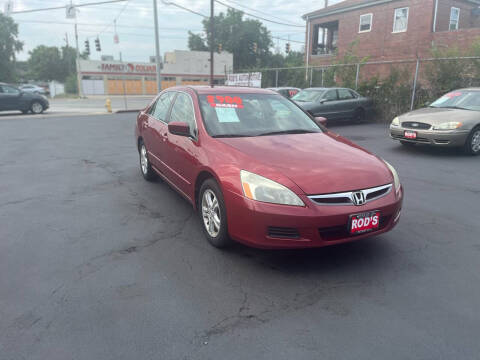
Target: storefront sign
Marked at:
245, 79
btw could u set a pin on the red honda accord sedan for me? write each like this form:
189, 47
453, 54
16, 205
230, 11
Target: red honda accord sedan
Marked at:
261, 171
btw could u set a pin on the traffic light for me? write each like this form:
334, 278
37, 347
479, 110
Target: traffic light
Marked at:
219, 48
255, 47
287, 47
87, 47
97, 44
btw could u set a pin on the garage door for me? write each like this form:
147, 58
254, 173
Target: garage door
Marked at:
93, 87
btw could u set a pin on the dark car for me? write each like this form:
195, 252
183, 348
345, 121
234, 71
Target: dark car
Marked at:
260, 171
451, 121
12, 98
334, 103
288, 92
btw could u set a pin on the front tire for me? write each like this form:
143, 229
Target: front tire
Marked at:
36, 107
472, 145
213, 215
145, 167
359, 116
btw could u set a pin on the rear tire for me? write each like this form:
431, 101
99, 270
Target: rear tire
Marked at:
213, 214
472, 145
145, 167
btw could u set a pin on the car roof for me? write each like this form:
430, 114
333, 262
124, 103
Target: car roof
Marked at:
326, 88
205, 89
283, 88
469, 89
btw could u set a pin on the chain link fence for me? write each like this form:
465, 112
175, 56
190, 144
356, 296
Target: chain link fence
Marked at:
394, 86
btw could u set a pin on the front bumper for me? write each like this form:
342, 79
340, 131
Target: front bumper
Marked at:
431, 137
250, 222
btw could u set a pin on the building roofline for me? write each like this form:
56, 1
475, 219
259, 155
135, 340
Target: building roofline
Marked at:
339, 9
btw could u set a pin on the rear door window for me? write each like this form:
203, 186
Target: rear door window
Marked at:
344, 94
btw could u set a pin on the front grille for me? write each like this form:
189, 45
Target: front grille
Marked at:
346, 198
416, 125
283, 232
417, 139
341, 232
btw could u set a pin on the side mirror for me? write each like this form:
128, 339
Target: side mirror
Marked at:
322, 101
179, 128
320, 120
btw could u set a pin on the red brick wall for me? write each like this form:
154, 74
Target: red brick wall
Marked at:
381, 44
466, 18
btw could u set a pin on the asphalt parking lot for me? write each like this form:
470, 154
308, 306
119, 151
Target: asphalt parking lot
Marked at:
96, 263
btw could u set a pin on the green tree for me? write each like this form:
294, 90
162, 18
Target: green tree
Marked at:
248, 40
48, 63
9, 45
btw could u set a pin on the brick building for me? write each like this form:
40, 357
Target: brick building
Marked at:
390, 29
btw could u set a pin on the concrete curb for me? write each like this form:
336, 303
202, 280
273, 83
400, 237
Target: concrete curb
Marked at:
127, 111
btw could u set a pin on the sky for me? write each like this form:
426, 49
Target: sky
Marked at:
134, 19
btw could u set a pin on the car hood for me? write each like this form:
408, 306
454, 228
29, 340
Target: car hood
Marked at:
435, 116
317, 163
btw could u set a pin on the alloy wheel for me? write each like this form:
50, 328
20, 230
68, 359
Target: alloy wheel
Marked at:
476, 141
144, 159
211, 213
37, 108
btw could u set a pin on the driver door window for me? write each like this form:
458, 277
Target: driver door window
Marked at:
160, 109
331, 95
182, 111
10, 90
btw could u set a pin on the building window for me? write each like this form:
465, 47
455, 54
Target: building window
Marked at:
325, 38
400, 22
365, 23
454, 18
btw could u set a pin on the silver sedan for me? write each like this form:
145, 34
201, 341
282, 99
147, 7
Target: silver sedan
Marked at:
452, 120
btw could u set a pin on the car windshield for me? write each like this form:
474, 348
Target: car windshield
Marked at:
464, 99
236, 115
308, 95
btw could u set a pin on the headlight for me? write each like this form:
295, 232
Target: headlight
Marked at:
258, 188
396, 179
396, 122
451, 125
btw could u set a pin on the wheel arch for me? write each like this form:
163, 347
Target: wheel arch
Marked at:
201, 177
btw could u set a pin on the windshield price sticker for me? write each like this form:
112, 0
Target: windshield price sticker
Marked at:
453, 94
225, 101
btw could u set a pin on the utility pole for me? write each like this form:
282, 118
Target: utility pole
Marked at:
212, 38
157, 46
79, 77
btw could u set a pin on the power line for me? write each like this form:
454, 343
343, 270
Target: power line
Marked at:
116, 18
183, 8
258, 17
287, 40
261, 12
101, 25
64, 7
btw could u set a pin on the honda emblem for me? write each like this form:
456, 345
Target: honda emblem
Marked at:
358, 198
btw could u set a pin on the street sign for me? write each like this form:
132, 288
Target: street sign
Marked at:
115, 39
70, 11
8, 7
